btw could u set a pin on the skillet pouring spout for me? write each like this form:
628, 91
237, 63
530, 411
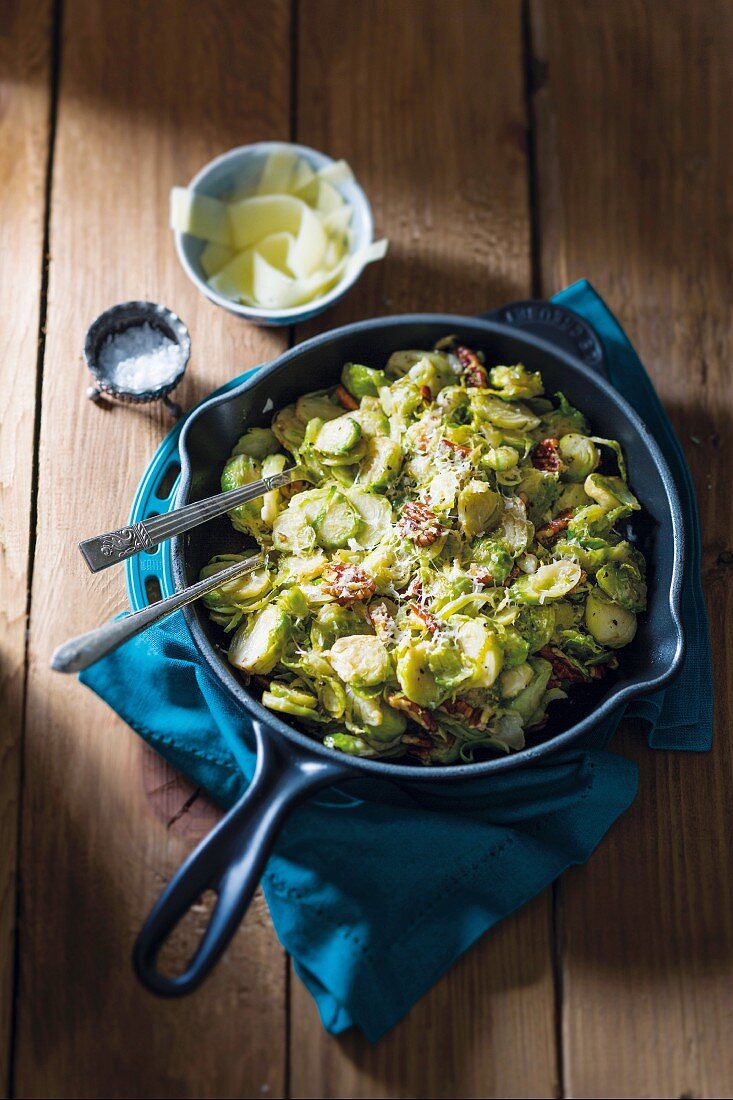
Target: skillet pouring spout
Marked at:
231, 859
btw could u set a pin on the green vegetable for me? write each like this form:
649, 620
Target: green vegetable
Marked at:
579, 455
549, 582
362, 381
258, 443
405, 600
360, 659
381, 463
338, 523
258, 645
610, 624
514, 382
479, 508
337, 437
623, 582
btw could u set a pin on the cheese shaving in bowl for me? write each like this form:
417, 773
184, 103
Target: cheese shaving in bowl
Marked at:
283, 243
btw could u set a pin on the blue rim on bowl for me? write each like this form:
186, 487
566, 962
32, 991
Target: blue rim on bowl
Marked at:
219, 177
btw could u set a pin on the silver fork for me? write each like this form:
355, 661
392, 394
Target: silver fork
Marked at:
81, 652
101, 551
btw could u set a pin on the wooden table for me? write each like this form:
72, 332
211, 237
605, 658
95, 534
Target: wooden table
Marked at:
508, 149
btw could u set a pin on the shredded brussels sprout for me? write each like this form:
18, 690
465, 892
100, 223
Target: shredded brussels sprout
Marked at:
449, 567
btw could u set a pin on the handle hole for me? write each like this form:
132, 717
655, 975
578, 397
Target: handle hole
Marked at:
168, 480
152, 589
181, 945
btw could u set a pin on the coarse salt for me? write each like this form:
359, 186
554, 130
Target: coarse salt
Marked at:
140, 358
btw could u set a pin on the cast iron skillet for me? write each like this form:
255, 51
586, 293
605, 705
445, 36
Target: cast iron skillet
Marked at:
290, 764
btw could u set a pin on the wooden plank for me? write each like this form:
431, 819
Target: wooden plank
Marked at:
427, 105
635, 161
25, 38
148, 93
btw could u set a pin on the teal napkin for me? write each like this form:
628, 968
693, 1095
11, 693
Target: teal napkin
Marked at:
375, 891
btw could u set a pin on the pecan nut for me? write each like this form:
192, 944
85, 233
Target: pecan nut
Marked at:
546, 456
347, 583
562, 669
474, 371
420, 523
552, 529
345, 399
419, 715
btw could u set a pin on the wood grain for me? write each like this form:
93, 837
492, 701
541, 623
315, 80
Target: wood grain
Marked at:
635, 163
25, 39
426, 102
148, 93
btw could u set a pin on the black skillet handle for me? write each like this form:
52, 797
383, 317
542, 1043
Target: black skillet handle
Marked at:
556, 324
231, 859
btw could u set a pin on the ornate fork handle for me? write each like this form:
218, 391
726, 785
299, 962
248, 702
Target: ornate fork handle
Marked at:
101, 551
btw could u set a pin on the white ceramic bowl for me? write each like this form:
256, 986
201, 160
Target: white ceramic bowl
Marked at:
233, 169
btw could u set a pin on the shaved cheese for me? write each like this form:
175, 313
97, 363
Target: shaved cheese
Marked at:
277, 173
253, 219
214, 256
199, 215
279, 242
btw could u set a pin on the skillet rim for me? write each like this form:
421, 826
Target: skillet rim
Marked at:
619, 694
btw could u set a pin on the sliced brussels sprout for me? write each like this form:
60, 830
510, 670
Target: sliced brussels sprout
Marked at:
272, 502
565, 418
529, 699
349, 744
319, 405
238, 591
415, 676
381, 463
339, 523
541, 489
610, 492
332, 698
401, 362
286, 706
481, 647
515, 531
258, 645
579, 455
515, 382
432, 371
453, 404
443, 490
239, 471
479, 508
514, 680
258, 443
515, 416
623, 582
514, 647
549, 582
536, 625
583, 647
361, 659
500, 458
609, 623
589, 558
572, 496
338, 436
362, 381
292, 532
371, 417
375, 513
401, 400
288, 429
333, 622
